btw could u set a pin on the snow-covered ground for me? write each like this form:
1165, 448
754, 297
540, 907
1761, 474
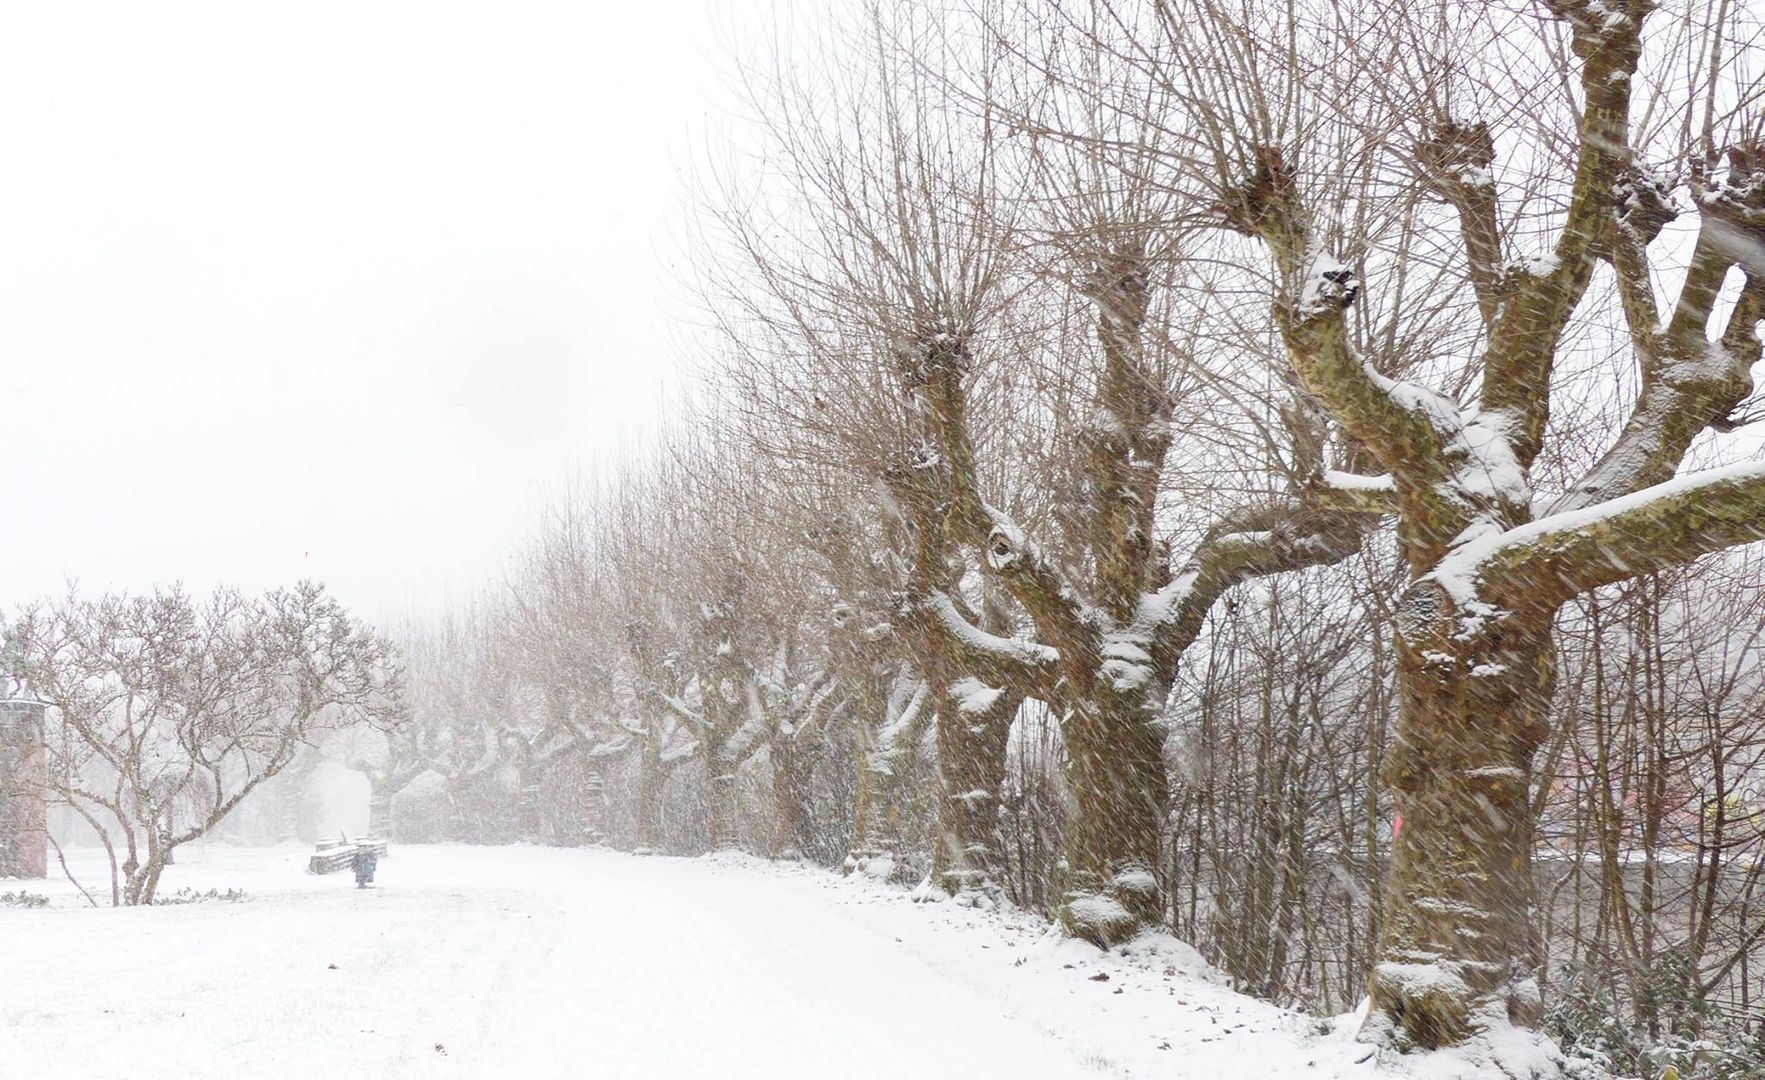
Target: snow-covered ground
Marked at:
536, 962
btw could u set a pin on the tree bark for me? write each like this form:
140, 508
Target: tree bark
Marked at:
790, 800
1120, 796
720, 809
974, 725
885, 761
380, 794
594, 806
651, 778
1458, 949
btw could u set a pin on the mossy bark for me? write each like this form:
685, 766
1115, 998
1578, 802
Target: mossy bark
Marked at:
971, 772
650, 781
790, 800
1120, 799
720, 808
1458, 950
869, 838
886, 764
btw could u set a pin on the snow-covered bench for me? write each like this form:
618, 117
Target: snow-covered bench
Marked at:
336, 854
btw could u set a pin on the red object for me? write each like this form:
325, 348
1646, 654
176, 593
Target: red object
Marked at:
1396, 826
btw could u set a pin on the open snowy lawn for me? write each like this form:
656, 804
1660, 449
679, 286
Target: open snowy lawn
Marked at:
533, 962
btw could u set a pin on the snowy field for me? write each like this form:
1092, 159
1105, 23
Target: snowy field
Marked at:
520, 962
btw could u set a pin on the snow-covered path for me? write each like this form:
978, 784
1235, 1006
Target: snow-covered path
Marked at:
527, 962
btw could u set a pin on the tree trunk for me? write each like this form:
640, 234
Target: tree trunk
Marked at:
974, 725
885, 761
790, 800
1458, 954
141, 880
720, 809
457, 815
1120, 799
380, 807
876, 822
527, 792
650, 779
594, 806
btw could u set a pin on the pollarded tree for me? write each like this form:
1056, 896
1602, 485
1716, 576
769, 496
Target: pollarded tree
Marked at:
639, 539
390, 762
813, 308
893, 715
566, 645
939, 258
459, 696
1313, 129
1112, 608
942, 691
801, 677
883, 696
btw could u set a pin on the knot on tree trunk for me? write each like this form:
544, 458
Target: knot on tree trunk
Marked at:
1732, 191
1002, 549
1425, 616
1643, 204
932, 352
1259, 206
1455, 158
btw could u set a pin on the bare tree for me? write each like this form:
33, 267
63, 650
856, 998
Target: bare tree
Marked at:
1287, 123
167, 713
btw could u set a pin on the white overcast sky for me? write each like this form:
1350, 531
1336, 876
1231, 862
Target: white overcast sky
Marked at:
331, 290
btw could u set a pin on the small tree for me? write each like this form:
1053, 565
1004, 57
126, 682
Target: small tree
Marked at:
166, 712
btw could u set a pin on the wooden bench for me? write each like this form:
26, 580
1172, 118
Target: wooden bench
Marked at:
334, 855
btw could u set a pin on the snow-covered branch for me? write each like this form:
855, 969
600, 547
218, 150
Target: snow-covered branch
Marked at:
936, 622
1541, 564
1271, 540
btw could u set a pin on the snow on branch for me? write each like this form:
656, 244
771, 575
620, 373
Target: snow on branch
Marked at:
1002, 661
1312, 314
1286, 536
1314, 329
1354, 493
1033, 581
681, 708
1544, 562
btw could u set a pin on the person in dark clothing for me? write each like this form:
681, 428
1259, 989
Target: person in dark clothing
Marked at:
363, 863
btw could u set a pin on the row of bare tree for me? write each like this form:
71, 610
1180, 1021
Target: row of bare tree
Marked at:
1225, 466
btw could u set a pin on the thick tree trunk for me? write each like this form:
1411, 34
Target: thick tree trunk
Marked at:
593, 794
974, 725
380, 807
885, 763
864, 815
790, 800
458, 819
876, 820
650, 779
1120, 798
24, 831
1458, 954
720, 809
527, 812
